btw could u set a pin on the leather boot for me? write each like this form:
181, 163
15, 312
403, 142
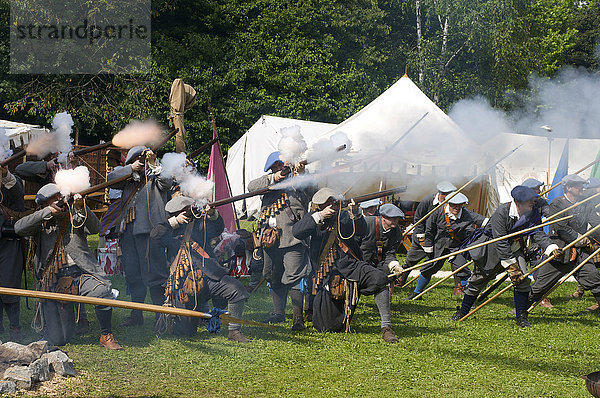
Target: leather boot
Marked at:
596, 306
457, 315
109, 341
546, 303
412, 296
522, 321
458, 290
237, 336
388, 335
579, 292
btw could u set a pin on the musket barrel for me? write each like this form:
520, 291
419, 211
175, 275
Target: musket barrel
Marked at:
13, 157
202, 148
93, 148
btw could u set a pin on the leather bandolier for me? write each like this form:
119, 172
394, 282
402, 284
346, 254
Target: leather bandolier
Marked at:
340, 288
378, 241
268, 235
184, 279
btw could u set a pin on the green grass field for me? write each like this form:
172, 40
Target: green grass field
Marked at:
486, 356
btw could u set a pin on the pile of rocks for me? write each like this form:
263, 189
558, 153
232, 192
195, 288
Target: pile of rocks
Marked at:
25, 365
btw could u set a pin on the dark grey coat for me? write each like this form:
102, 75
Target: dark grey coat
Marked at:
390, 239
286, 218
149, 201
44, 228
438, 236
11, 256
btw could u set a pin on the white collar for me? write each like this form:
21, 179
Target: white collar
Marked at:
513, 212
436, 200
567, 198
449, 213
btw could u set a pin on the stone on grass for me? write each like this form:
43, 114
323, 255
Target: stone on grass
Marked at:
40, 370
39, 348
7, 387
60, 363
20, 375
15, 352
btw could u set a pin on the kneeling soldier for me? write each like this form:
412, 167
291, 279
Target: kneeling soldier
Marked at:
65, 264
195, 275
341, 275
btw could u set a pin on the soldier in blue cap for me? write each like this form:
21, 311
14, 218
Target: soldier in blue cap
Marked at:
564, 232
142, 207
446, 230
415, 252
507, 254
370, 207
286, 263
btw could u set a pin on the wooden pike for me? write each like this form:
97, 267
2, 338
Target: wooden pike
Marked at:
577, 172
546, 261
487, 243
225, 318
443, 279
563, 279
410, 281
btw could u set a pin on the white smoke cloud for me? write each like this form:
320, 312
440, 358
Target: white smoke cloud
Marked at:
292, 145
138, 132
71, 181
192, 184
57, 141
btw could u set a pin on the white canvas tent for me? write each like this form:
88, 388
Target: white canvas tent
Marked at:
434, 143
21, 133
531, 160
246, 158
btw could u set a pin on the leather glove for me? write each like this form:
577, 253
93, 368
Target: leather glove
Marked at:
557, 253
421, 239
583, 242
515, 274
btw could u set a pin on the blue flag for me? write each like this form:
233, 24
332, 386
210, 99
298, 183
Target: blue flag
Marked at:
561, 171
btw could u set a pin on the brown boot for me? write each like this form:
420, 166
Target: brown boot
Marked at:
109, 341
458, 290
579, 292
237, 336
546, 303
596, 306
388, 335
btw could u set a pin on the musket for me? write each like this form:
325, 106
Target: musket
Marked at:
287, 170
202, 148
458, 191
225, 318
531, 271
577, 172
93, 148
374, 195
14, 156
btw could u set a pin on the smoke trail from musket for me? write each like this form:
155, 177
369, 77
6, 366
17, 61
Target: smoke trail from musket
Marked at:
192, 184
292, 145
5, 152
138, 132
62, 124
327, 150
71, 181
57, 141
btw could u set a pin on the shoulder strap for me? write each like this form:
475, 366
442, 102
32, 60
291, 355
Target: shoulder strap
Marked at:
449, 228
378, 241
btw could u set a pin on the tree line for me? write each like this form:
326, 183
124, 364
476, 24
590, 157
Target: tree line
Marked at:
315, 60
